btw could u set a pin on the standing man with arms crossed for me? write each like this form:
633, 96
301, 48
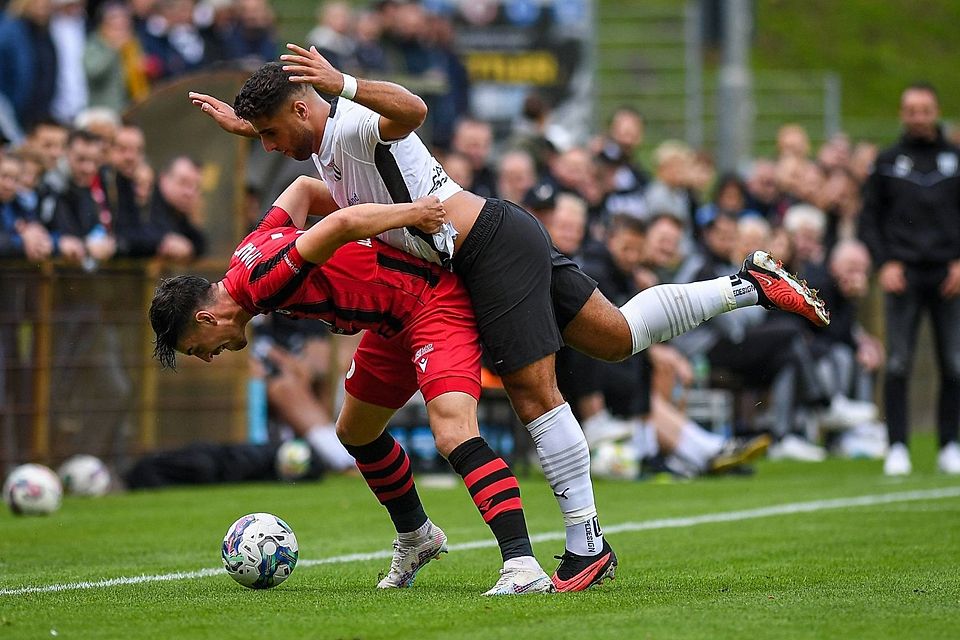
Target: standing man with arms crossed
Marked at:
911, 224
527, 297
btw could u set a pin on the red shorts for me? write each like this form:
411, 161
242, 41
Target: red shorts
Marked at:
439, 352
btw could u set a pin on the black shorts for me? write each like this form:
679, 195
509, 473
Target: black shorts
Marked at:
524, 291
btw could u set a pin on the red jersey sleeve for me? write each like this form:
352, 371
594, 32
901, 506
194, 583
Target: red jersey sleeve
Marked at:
275, 217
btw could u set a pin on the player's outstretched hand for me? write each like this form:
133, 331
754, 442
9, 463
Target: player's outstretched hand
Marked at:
431, 213
223, 114
309, 67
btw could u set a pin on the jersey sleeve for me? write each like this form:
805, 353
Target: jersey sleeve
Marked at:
360, 129
275, 217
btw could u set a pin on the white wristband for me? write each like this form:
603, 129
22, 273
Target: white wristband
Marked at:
349, 87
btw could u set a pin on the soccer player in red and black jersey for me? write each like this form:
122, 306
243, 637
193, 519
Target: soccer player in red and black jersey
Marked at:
420, 334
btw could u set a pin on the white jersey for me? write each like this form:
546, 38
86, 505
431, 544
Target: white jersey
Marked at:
360, 167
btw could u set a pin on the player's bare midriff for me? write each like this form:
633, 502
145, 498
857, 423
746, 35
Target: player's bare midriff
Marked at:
463, 208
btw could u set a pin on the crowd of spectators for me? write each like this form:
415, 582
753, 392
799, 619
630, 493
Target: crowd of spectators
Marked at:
74, 184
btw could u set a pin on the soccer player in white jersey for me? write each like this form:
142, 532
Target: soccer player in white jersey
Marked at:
528, 298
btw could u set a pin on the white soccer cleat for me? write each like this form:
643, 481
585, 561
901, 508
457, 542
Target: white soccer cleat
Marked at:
409, 558
898, 461
949, 459
792, 447
844, 413
521, 581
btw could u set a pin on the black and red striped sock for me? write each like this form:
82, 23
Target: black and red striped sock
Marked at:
385, 466
495, 491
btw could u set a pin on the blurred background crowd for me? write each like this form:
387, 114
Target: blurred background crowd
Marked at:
76, 187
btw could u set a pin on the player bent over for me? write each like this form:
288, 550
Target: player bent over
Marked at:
420, 334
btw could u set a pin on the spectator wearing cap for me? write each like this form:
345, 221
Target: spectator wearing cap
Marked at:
541, 200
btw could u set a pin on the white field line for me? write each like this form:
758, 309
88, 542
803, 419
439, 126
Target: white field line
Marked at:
647, 525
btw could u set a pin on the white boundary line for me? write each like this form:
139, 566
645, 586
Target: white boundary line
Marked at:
647, 525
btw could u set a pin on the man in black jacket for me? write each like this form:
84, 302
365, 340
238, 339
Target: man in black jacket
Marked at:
911, 224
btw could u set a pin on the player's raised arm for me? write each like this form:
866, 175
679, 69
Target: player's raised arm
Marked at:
223, 114
305, 196
400, 110
365, 221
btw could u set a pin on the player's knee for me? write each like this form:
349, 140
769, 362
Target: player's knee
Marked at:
447, 441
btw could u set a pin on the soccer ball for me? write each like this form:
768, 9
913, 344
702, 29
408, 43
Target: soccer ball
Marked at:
615, 460
260, 551
32, 489
85, 475
293, 460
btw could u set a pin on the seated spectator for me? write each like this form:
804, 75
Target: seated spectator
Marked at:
730, 196
175, 209
762, 192
516, 175
21, 235
458, 167
806, 226
668, 192
74, 206
102, 122
250, 37
474, 140
663, 254
48, 140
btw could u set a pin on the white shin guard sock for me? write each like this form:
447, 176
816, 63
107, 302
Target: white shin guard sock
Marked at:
323, 440
668, 310
697, 445
565, 459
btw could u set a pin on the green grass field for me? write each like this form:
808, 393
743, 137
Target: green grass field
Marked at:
798, 551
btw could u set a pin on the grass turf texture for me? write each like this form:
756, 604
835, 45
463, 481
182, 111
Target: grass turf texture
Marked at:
886, 571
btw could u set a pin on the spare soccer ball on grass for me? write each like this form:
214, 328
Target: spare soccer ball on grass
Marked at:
85, 475
32, 489
293, 460
260, 551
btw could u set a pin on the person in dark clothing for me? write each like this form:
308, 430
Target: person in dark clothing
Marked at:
911, 224
28, 60
173, 208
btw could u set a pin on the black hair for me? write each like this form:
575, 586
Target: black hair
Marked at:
84, 136
265, 92
625, 222
174, 303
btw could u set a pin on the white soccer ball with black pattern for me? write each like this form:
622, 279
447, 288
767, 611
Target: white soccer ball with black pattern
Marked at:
260, 551
85, 475
32, 489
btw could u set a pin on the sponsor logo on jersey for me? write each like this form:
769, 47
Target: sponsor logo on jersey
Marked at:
289, 263
902, 166
275, 236
354, 199
248, 254
422, 363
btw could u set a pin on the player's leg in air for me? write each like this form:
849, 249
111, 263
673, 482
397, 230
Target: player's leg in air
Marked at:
386, 468
665, 311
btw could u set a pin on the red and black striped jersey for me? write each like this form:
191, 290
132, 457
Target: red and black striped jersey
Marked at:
364, 285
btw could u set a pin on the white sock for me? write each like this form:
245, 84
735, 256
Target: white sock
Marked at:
668, 310
528, 563
416, 534
323, 439
645, 439
697, 445
565, 460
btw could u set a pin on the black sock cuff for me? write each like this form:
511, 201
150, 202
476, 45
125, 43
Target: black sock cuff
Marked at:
372, 451
464, 458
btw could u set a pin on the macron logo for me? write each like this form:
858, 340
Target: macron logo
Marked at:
423, 364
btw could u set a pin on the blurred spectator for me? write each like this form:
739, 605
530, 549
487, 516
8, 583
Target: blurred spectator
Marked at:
529, 132
48, 140
862, 157
174, 43
447, 107
567, 224
114, 62
668, 192
21, 235
73, 203
663, 255
792, 140
806, 225
730, 196
250, 37
28, 60
333, 36
624, 137
909, 222
541, 200
474, 140
834, 153
516, 174
458, 168
103, 122
370, 55
68, 28
136, 235
176, 208
762, 188
843, 204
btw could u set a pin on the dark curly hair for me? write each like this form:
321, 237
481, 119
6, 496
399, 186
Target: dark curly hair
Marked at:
265, 91
174, 303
